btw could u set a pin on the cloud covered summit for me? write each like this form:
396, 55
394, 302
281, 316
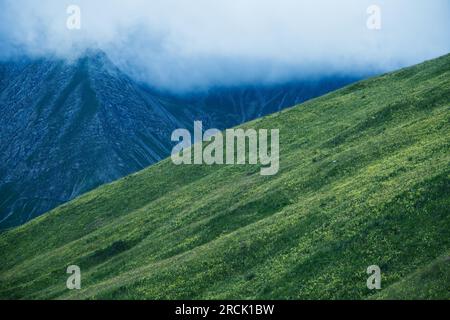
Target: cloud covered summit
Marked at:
184, 45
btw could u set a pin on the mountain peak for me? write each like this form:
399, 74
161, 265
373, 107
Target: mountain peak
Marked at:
96, 55
98, 63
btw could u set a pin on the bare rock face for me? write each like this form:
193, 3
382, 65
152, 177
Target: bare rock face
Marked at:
68, 127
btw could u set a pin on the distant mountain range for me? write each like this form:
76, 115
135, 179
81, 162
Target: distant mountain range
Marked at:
67, 127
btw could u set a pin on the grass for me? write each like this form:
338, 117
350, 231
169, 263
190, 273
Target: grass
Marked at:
364, 179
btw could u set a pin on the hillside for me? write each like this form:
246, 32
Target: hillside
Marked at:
364, 179
67, 127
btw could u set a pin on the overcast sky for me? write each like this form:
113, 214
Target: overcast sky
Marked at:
188, 44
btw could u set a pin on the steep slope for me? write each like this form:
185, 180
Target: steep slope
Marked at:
429, 282
66, 128
364, 180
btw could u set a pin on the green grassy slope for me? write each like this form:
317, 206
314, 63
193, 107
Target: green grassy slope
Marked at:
429, 282
364, 179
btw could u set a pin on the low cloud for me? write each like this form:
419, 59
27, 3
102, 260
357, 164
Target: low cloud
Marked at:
185, 45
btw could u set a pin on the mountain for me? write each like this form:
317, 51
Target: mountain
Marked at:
364, 180
68, 127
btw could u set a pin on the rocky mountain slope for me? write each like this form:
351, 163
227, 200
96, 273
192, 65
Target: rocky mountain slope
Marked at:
68, 127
